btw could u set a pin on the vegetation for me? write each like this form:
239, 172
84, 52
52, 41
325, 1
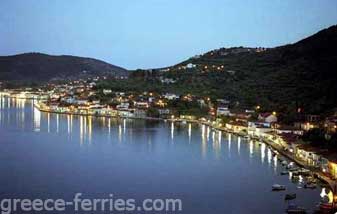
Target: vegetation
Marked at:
41, 67
291, 79
319, 138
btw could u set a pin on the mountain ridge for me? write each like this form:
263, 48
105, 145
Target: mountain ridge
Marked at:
44, 67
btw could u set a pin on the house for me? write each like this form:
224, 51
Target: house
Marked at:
139, 113
281, 129
306, 125
123, 106
141, 104
171, 96
258, 128
188, 117
331, 124
107, 91
201, 103
81, 102
268, 117
168, 81
222, 110
190, 65
164, 111
125, 113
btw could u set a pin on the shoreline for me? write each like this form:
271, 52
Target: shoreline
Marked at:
317, 173
275, 146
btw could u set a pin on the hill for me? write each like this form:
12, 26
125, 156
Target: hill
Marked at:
43, 67
301, 75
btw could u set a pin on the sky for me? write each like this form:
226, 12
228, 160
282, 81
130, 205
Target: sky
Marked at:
155, 33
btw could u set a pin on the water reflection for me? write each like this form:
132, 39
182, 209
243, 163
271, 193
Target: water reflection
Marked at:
269, 156
48, 122
151, 137
263, 154
189, 132
57, 123
239, 145
37, 120
251, 148
229, 142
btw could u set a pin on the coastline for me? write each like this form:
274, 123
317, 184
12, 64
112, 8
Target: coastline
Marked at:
275, 146
281, 150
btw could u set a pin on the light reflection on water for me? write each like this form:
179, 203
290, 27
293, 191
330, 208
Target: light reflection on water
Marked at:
211, 152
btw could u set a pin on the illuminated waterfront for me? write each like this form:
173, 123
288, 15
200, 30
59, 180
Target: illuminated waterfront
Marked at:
50, 155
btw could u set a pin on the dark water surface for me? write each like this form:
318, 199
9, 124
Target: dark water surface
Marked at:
55, 156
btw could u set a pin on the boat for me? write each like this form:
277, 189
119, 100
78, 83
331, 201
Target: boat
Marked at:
304, 172
284, 163
289, 197
294, 209
311, 180
295, 173
285, 172
278, 187
293, 169
183, 122
310, 186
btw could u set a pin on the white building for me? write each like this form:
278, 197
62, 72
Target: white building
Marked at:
267, 117
171, 96
107, 91
223, 111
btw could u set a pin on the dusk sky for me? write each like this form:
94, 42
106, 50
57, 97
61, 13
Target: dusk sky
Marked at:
155, 33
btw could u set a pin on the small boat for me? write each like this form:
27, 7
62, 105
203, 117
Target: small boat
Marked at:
295, 177
311, 180
183, 122
295, 173
285, 172
310, 186
294, 209
293, 169
278, 187
304, 172
289, 197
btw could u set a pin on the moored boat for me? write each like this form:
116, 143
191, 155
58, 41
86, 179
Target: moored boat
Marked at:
285, 172
310, 186
289, 197
278, 187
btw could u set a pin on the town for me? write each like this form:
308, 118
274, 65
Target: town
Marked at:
310, 142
